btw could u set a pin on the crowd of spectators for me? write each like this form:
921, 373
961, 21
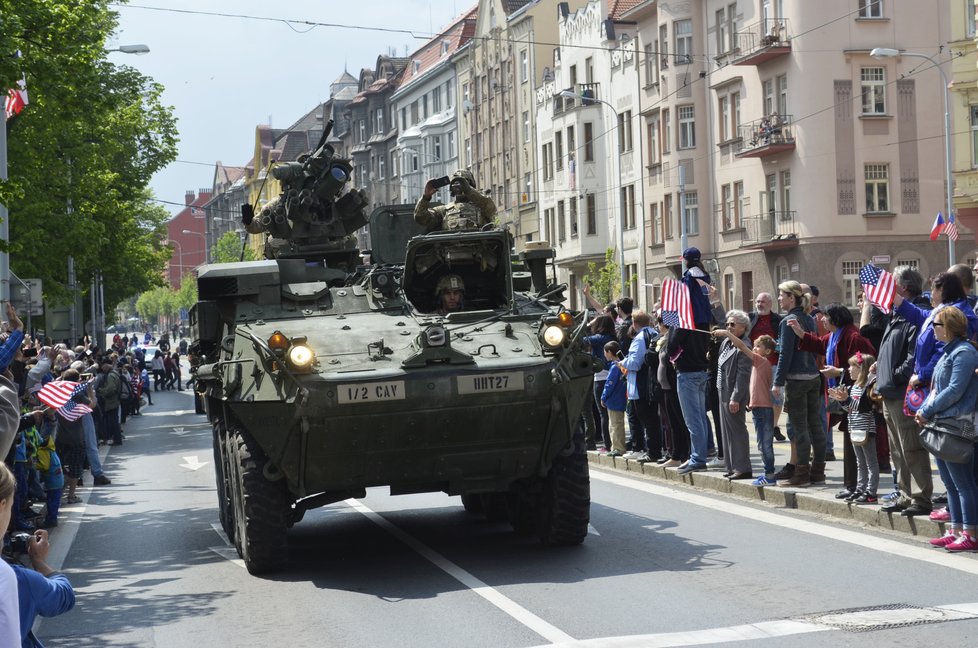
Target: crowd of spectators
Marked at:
822, 368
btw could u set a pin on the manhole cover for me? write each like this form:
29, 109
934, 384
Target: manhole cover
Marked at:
882, 617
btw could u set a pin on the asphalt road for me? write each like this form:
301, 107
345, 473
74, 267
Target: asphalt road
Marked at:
663, 566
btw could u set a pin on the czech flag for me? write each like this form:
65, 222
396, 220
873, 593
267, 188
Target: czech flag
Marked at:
937, 227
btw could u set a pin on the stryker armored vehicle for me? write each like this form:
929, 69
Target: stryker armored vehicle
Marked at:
323, 377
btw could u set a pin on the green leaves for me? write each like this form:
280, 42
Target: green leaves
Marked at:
82, 153
228, 250
603, 280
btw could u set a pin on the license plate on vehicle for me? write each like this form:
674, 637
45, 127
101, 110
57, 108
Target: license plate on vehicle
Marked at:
483, 383
370, 392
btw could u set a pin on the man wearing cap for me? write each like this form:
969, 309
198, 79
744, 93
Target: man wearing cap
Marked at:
450, 293
470, 209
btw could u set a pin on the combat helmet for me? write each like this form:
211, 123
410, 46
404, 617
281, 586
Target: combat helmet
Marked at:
466, 175
450, 282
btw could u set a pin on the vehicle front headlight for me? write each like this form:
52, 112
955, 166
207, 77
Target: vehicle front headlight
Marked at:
301, 356
553, 336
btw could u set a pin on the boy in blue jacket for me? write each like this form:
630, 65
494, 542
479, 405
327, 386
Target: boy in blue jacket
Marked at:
614, 398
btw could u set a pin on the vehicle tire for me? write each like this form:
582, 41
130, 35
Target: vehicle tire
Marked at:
565, 505
522, 513
261, 510
222, 473
472, 504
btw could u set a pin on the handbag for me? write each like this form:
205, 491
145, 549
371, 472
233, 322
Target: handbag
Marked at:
951, 439
914, 398
859, 437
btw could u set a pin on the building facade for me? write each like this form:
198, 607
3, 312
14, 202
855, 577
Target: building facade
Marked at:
964, 120
185, 233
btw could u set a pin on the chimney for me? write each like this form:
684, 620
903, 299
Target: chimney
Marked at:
189, 197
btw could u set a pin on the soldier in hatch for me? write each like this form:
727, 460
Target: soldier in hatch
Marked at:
450, 293
470, 209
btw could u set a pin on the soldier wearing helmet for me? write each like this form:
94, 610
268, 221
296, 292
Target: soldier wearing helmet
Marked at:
449, 292
470, 209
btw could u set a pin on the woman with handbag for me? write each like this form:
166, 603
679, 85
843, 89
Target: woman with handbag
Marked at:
949, 407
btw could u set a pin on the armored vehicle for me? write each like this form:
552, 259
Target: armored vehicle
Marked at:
322, 378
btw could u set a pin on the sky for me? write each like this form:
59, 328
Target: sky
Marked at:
226, 75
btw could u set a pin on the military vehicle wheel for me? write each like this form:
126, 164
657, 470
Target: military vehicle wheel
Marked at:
223, 474
261, 510
472, 503
565, 505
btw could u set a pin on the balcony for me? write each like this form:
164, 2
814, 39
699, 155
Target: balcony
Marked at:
767, 136
763, 41
774, 230
586, 93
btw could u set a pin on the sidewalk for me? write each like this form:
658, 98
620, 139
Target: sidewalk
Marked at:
816, 499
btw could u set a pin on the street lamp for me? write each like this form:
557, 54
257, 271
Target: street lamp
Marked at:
889, 52
180, 252
570, 94
202, 236
139, 49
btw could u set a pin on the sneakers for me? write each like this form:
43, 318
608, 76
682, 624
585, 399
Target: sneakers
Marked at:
891, 497
854, 495
946, 539
714, 462
634, 454
614, 453
865, 498
845, 493
644, 458
941, 515
102, 480
785, 473
672, 463
763, 481
691, 467
964, 542
663, 461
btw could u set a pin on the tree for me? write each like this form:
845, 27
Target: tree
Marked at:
603, 280
227, 249
82, 153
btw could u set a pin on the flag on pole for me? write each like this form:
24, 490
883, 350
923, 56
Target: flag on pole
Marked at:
677, 310
951, 228
878, 286
16, 99
937, 227
56, 394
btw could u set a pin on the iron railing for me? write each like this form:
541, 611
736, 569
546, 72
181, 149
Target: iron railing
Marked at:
768, 32
769, 226
768, 131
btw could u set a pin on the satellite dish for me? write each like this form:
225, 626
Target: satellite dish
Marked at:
467, 105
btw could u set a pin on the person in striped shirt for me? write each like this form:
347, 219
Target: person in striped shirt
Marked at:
862, 426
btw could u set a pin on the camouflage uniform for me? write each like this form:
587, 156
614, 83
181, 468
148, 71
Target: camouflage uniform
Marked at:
472, 213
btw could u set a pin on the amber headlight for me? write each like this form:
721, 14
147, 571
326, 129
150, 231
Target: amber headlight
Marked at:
553, 336
301, 356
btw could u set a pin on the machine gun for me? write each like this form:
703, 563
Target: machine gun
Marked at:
307, 220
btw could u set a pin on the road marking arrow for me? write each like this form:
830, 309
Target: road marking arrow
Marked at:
178, 430
192, 463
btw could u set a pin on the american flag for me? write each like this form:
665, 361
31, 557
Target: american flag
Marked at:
951, 228
56, 393
677, 310
878, 286
73, 410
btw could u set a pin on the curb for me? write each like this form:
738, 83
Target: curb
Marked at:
815, 499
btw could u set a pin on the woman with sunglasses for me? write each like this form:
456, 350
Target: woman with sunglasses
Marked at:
954, 389
733, 384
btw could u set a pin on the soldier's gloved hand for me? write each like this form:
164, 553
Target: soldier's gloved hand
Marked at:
247, 214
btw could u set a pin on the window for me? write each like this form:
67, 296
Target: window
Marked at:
414, 112
548, 161
571, 143
452, 153
721, 31
786, 194
723, 111
687, 127
448, 94
850, 281
592, 214
548, 223
783, 94
559, 153
650, 76
664, 45
403, 119
974, 137
727, 207
915, 263
524, 66
561, 224
782, 273
380, 120
969, 18
572, 204
414, 162
628, 207
631, 279
684, 41
732, 25
526, 125
363, 131
870, 8
735, 114
394, 159
768, 88
588, 142
874, 90
877, 188
465, 92
625, 131
468, 152
692, 213
436, 100
527, 187
666, 132
436, 147
740, 203
381, 168
656, 221
667, 216
653, 128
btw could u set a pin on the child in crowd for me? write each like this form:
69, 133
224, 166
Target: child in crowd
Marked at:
54, 483
761, 405
614, 398
862, 426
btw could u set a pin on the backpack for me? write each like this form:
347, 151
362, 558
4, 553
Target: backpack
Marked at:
125, 389
648, 373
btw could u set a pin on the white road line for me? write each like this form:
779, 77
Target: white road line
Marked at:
748, 632
872, 542
549, 632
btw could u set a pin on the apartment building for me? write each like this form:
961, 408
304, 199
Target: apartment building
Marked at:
964, 118
425, 105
